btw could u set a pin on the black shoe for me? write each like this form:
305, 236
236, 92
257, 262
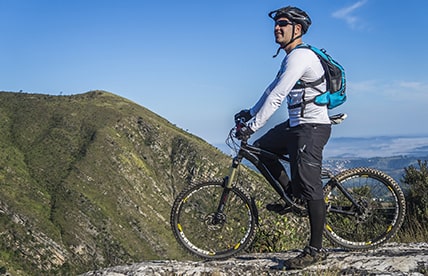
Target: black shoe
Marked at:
309, 256
279, 208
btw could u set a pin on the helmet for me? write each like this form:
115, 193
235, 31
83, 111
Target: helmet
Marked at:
293, 14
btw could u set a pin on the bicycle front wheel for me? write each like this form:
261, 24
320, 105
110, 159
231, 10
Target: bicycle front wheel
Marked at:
205, 231
366, 207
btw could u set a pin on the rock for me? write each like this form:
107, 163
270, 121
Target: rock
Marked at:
390, 259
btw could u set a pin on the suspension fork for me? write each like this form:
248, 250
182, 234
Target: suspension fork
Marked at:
227, 183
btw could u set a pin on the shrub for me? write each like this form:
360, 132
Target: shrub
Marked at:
417, 201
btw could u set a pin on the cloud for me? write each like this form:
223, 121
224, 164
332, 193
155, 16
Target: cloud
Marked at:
347, 14
414, 85
398, 85
408, 94
367, 85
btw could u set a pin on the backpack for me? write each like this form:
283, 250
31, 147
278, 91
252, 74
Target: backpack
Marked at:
335, 94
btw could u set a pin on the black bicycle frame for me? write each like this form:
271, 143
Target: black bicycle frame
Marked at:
253, 154
250, 153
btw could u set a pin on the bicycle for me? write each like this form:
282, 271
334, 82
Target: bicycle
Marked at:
218, 219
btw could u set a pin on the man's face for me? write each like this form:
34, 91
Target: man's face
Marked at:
283, 31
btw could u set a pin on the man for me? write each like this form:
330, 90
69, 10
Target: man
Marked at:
306, 132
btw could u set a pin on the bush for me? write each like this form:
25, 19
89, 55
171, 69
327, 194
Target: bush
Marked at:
417, 200
278, 233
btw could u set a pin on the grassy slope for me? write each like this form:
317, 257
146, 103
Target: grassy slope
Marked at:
90, 179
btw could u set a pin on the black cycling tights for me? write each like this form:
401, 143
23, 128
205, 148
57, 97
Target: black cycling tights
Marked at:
317, 213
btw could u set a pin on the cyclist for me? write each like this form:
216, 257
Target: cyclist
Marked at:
305, 133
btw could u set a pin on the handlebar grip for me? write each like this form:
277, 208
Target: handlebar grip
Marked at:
240, 123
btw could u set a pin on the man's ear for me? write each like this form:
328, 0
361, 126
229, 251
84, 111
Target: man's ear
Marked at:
297, 29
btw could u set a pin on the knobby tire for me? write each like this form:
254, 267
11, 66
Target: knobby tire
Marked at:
204, 232
379, 219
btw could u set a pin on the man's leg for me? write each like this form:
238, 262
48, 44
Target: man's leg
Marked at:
275, 141
317, 213
306, 177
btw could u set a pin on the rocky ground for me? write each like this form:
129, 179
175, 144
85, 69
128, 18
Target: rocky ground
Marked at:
391, 259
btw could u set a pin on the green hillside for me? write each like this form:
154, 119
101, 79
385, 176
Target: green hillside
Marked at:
87, 181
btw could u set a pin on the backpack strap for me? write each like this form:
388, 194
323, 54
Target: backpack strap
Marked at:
302, 85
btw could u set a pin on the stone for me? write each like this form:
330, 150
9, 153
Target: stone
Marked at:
390, 259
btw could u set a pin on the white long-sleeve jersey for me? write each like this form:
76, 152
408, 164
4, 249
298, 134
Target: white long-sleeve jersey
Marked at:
299, 64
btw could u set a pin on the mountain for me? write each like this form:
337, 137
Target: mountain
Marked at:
87, 181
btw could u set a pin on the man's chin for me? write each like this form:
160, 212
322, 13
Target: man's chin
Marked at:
280, 43
279, 40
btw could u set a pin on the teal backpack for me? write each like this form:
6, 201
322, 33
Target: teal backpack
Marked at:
335, 94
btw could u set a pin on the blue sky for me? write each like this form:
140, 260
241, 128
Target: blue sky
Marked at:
196, 63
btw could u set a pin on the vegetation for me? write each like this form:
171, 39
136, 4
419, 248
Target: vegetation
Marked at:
415, 227
280, 232
87, 181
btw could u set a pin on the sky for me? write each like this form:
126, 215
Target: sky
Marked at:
196, 63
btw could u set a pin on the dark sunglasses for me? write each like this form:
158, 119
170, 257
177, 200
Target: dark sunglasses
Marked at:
283, 23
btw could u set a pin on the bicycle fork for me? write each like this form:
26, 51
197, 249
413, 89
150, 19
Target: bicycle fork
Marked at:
228, 180
227, 183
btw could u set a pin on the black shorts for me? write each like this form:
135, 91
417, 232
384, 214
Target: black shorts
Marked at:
304, 144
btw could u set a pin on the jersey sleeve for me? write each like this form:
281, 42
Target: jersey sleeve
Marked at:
292, 69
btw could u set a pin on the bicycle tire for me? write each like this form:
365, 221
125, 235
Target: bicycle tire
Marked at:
382, 216
192, 221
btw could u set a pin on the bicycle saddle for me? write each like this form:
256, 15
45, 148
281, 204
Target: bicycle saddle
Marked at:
338, 118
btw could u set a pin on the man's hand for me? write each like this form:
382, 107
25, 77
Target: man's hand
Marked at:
243, 114
244, 133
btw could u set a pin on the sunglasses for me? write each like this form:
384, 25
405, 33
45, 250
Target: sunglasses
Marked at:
283, 23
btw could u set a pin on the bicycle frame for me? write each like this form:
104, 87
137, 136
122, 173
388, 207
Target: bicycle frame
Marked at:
252, 154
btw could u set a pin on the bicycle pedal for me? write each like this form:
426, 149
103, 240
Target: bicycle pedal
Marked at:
278, 208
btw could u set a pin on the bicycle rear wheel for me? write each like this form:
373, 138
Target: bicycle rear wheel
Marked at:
374, 216
203, 231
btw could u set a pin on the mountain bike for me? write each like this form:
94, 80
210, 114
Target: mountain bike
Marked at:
218, 219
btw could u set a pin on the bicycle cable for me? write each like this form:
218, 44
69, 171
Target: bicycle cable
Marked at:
231, 142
